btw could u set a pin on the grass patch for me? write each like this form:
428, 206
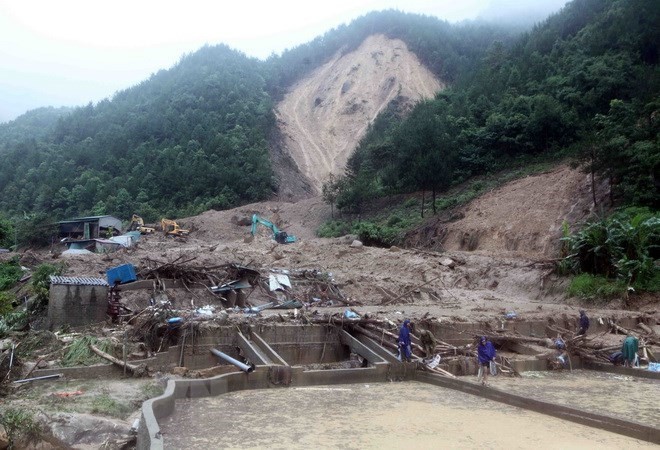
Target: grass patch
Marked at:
152, 390
594, 287
108, 406
79, 353
18, 423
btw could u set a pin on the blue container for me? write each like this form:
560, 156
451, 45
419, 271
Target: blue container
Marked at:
121, 274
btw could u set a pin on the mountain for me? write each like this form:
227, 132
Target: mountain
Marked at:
201, 135
220, 129
584, 84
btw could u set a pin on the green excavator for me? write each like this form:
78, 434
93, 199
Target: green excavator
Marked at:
281, 237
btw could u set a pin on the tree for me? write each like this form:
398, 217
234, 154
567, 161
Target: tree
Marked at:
331, 190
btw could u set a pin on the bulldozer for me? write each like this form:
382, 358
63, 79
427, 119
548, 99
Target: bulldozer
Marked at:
281, 237
137, 224
171, 228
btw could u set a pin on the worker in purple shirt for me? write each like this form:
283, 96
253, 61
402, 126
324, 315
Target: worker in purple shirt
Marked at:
485, 354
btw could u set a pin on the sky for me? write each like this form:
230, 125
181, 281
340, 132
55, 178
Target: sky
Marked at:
72, 52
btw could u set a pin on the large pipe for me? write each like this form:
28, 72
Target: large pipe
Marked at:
229, 359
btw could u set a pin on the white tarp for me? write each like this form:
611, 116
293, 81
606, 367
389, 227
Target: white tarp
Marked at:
124, 240
277, 281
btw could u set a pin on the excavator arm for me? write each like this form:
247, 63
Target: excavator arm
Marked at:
280, 236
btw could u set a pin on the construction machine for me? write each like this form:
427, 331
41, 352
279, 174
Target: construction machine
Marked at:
281, 237
171, 228
137, 224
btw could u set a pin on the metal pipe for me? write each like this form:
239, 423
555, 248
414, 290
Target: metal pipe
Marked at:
229, 359
45, 377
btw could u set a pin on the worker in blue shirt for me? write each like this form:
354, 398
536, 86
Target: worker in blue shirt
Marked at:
584, 323
485, 354
405, 349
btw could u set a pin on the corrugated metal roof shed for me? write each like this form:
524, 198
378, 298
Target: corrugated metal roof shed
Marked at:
78, 281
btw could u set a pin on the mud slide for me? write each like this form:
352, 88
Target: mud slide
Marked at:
325, 115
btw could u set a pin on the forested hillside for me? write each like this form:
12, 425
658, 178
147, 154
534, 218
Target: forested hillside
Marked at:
585, 84
195, 137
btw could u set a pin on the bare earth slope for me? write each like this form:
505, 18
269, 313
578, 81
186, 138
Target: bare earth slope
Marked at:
323, 116
521, 218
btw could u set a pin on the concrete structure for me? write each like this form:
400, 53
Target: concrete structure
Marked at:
89, 227
277, 351
77, 301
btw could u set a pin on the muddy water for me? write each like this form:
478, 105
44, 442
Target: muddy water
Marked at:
357, 416
620, 396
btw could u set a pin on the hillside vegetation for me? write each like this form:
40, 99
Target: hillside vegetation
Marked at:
193, 137
197, 136
584, 84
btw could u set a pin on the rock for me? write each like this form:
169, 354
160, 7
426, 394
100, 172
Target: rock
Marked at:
4, 440
447, 262
394, 248
357, 243
6, 344
222, 317
85, 430
180, 371
348, 238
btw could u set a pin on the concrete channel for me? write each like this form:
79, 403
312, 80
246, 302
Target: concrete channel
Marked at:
315, 355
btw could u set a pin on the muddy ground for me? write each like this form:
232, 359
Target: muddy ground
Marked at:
509, 269
355, 416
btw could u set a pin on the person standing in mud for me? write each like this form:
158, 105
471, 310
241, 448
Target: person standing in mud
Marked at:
584, 323
485, 354
405, 349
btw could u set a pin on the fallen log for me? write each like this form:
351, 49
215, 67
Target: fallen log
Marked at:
137, 371
646, 328
394, 336
375, 337
440, 371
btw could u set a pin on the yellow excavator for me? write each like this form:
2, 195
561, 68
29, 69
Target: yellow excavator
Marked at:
137, 224
172, 228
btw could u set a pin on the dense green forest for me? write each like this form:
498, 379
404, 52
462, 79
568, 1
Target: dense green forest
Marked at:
193, 137
584, 83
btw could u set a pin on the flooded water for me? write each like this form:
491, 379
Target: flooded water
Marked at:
620, 396
385, 415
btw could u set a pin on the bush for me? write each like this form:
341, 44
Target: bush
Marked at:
333, 228
18, 423
624, 246
7, 300
10, 273
40, 284
376, 235
593, 287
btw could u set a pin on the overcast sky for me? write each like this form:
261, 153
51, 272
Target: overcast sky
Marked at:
71, 52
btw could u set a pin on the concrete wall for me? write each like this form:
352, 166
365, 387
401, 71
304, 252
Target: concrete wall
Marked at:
149, 436
76, 305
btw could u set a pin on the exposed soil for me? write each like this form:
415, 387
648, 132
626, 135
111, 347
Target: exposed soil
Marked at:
522, 218
324, 115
